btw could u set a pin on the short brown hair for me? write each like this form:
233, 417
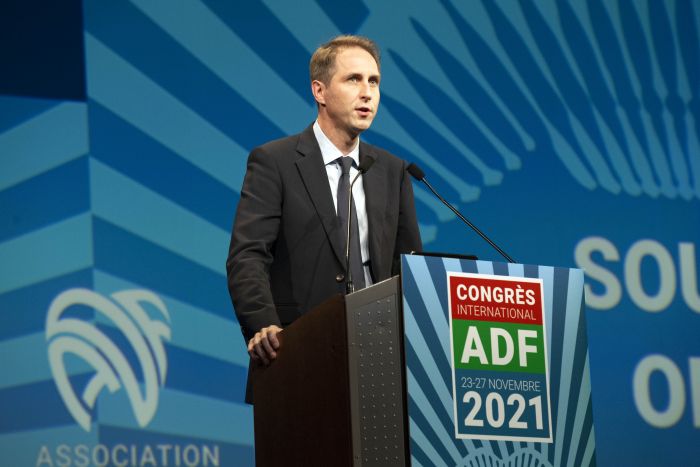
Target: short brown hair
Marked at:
322, 65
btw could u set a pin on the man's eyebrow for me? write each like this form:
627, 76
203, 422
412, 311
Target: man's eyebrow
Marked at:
354, 74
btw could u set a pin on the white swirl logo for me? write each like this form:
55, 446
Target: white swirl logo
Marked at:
69, 335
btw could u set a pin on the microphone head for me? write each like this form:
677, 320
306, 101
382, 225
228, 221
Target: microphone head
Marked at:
416, 171
365, 164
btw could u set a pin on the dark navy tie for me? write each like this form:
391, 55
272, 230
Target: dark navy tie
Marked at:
358, 274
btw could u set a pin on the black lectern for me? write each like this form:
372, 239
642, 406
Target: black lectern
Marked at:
336, 394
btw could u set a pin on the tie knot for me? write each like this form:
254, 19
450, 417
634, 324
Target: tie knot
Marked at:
345, 164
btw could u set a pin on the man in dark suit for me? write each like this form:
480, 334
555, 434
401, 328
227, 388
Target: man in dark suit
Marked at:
287, 251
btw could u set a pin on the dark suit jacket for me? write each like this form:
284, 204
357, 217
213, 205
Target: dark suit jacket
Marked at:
285, 255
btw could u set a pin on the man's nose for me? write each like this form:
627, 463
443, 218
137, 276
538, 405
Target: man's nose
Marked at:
365, 91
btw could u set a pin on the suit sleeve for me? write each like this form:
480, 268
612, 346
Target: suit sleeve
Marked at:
407, 233
253, 237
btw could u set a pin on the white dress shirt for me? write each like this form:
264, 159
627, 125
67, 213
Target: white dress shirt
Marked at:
330, 153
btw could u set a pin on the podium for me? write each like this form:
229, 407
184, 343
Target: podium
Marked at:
486, 362
335, 395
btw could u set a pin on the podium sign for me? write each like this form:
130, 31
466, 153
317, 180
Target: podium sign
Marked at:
500, 385
496, 363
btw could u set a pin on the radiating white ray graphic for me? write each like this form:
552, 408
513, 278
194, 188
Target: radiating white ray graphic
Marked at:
476, 10
429, 366
566, 371
189, 415
546, 273
563, 149
617, 159
488, 175
467, 193
639, 159
385, 124
202, 144
570, 417
288, 14
224, 340
590, 448
43, 142
388, 125
428, 232
521, 456
584, 392
196, 28
83, 339
429, 199
424, 443
433, 305
446, 32
656, 152
694, 151
51, 251
566, 154
158, 219
434, 419
407, 44
602, 150
15, 371
636, 154
674, 150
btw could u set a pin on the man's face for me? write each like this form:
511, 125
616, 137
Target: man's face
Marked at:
351, 98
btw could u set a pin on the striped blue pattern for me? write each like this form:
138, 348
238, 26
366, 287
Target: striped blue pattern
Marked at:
429, 375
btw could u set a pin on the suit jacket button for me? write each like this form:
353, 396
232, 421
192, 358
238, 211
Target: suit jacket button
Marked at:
339, 278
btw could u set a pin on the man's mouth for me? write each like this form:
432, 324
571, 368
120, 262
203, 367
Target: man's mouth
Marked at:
364, 110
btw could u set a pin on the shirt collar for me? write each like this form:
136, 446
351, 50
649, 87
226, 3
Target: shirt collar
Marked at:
329, 151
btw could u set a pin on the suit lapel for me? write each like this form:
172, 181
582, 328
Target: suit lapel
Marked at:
376, 196
315, 178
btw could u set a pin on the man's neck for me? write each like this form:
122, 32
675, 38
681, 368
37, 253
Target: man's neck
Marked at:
340, 139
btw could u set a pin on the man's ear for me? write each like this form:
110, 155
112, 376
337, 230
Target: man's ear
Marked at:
319, 91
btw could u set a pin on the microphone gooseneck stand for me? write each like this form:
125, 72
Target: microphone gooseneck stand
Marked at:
419, 175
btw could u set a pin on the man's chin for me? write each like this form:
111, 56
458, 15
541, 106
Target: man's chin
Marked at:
363, 125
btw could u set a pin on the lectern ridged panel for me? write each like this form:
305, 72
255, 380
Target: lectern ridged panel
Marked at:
374, 343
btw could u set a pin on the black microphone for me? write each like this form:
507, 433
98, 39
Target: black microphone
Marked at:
419, 175
365, 165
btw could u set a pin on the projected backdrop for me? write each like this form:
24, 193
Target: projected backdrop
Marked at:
568, 131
